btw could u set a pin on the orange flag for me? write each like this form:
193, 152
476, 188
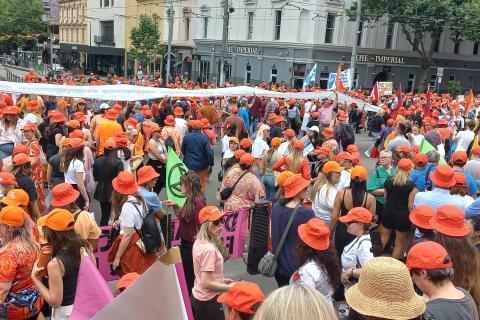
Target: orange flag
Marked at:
468, 101
338, 81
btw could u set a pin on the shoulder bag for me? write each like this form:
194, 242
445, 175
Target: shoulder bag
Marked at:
268, 264
227, 192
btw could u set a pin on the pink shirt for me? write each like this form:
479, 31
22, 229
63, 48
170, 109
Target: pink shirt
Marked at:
325, 114
206, 258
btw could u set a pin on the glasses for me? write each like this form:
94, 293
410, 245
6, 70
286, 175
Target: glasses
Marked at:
219, 222
349, 223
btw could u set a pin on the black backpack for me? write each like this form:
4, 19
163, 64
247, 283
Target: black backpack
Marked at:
428, 182
170, 143
347, 135
150, 235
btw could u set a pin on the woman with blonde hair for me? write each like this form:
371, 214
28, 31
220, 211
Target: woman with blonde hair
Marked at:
10, 130
295, 302
324, 191
260, 147
270, 158
295, 162
208, 266
399, 192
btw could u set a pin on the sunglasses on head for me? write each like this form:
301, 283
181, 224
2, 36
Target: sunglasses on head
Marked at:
219, 221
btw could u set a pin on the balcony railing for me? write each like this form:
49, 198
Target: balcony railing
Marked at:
104, 40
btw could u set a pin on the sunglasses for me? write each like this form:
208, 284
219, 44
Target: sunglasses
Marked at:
219, 222
349, 223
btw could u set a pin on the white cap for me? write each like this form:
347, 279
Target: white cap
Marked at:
104, 106
315, 128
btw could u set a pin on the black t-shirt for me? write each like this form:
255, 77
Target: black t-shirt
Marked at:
397, 197
26, 183
57, 176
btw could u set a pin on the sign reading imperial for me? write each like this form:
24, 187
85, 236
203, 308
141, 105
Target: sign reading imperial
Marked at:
380, 59
253, 51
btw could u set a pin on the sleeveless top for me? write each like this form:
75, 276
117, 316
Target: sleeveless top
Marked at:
161, 150
69, 278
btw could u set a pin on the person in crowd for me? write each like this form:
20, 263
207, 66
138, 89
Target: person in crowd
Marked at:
228, 138
198, 154
260, 148
107, 129
277, 127
130, 209
385, 282
19, 198
208, 266
460, 189
170, 131
208, 111
459, 160
7, 183
416, 135
125, 282
345, 200
432, 135
421, 170
157, 157
295, 302
399, 194
295, 193
63, 268
432, 272
180, 122
247, 188
324, 191
188, 215
234, 119
287, 145
452, 233
232, 163
281, 179
54, 132
420, 217
295, 161
464, 138
402, 131
105, 169
22, 170
443, 178
74, 169
473, 165
10, 130
375, 184
320, 268
18, 254
242, 300
271, 157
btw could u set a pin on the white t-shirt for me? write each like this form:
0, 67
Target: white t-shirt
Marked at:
74, 167
181, 124
131, 217
357, 251
417, 139
344, 182
283, 148
310, 274
323, 203
259, 147
226, 143
464, 138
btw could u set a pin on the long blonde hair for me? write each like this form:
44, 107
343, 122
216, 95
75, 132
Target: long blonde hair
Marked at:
21, 237
323, 179
204, 233
261, 131
295, 302
401, 178
294, 160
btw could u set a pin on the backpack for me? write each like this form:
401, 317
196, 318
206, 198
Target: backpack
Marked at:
347, 135
170, 143
150, 235
428, 182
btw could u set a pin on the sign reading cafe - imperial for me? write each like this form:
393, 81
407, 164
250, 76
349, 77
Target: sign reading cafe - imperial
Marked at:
380, 59
254, 51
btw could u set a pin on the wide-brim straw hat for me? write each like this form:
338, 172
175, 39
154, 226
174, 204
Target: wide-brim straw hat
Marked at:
385, 290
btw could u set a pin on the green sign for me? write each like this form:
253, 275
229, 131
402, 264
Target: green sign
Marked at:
175, 170
425, 146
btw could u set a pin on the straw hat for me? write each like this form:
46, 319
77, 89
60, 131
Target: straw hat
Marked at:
385, 290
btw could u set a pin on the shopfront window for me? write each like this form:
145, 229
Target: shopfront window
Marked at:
324, 79
204, 70
411, 82
273, 75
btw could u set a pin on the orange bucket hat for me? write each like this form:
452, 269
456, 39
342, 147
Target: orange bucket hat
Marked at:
125, 183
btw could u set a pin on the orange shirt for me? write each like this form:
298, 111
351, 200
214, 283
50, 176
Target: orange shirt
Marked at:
106, 129
446, 133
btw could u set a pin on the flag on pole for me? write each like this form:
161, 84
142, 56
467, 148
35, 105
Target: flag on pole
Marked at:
175, 170
310, 77
425, 146
427, 110
469, 102
399, 96
338, 81
374, 94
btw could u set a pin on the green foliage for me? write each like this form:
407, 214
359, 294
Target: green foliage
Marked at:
144, 38
19, 21
454, 88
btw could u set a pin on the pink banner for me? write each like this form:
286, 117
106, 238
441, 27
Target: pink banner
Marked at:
102, 256
234, 232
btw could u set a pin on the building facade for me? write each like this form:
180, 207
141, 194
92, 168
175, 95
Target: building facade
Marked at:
72, 33
276, 40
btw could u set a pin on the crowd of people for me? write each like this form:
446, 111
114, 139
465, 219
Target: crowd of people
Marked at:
398, 241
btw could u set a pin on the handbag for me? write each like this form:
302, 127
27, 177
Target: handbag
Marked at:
227, 192
268, 264
218, 242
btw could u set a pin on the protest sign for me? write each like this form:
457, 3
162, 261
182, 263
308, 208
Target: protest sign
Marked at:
385, 88
175, 170
308, 145
102, 257
234, 233
345, 80
425, 147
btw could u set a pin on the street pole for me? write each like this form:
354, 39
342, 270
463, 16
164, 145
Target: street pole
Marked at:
353, 60
170, 13
90, 46
154, 61
52, 39
226, 16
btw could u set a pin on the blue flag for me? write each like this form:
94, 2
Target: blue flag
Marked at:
310, 77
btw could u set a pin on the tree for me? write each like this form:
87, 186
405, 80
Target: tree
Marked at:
20, 21
423, 21
454, 87
145, 40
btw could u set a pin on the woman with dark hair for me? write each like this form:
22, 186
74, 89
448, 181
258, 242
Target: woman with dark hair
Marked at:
270, 158
105, 169
67, 251
22, 170
74, 170
191, 187
320, 268
10, 130
355, 196
233, 162
157, 157
54, 133
402, 131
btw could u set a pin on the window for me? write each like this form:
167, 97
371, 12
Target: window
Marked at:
452, 77
250, 26
205, 27
324, 80
278, 24
299, 70
101, 3
436, 45
106, 29
433, 81
389, 40
204, 70
456, 47
248, 73
360, 33
330, 28
411, 82
187, 28
475, 48
273, 75
355, 81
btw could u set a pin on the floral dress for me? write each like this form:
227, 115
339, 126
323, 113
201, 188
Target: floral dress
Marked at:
248, 190
37, 174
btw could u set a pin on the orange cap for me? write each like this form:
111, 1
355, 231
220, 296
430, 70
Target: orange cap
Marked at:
283, 176
125, 183
79, 116
343, 156
12, 216
74, 143
315, 234
278, 119
7, 178
405, 164
146, 174
131, 122
442, 176
121, 139
421, 159
403, 148
450, 220
332, 166
239, 153
390, 122
246, 143
111, 114
357, 214
273, 117
29, 127
421, 215
234, 109
16, 197
57, 117
247, 159
62, 104
58, 220
298, 145
242, 297
20, 148
20, 159
352, 148
459, 157
63, 194
428, 255
11, 110
33, 105
460, 179
169, 121
276, 141
315, 115
359, 172
110, 143
155, 128
195, 124
178, 111
322, 150
209, 213
73, 124
127, 280
294, 185
342, 116
327, 132
289, 133
77, 133
292, 101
